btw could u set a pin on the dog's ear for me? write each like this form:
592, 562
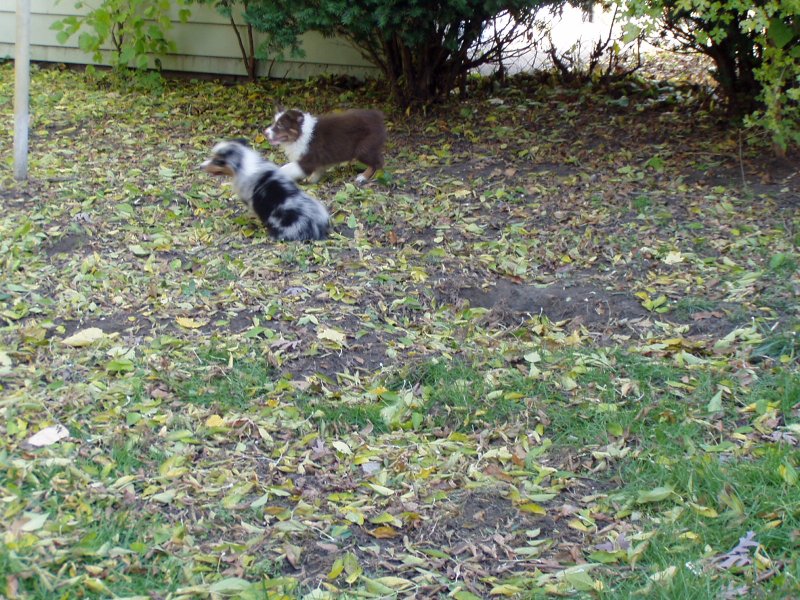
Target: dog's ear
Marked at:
242, 141
279, 108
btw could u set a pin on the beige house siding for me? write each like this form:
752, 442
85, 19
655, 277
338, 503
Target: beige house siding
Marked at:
205, 44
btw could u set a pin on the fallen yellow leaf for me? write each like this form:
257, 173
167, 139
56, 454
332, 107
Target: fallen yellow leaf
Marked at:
705, 511
215, 421
533, 508
384, 532
189, 323
578, 524
341, 447
84, 337
326, 333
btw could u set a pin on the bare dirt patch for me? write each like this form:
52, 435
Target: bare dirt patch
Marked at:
580, 303
67, 244
558, 301
470, 535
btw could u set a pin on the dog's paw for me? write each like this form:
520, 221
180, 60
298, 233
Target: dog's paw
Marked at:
361, 180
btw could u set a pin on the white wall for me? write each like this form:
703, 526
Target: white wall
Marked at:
206, 44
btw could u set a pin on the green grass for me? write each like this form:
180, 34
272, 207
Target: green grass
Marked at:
445, 394
641, 203
684, 585
344, 415
690, 305
212, 382
127, 456
783, 265
781, 345
673, 448
456, 394
115, 544
746, 494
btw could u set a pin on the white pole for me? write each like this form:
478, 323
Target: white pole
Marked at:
22, 85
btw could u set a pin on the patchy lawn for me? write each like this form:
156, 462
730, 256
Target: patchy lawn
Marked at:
552, 350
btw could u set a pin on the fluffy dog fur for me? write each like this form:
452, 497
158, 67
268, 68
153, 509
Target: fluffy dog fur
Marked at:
313, 144
287, 212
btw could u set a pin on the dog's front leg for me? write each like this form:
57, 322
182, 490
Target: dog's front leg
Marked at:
293, 171
317, 175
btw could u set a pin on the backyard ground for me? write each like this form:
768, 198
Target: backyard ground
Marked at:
552, 350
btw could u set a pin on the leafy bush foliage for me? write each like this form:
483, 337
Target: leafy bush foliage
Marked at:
424, 49
135, 29
755, 47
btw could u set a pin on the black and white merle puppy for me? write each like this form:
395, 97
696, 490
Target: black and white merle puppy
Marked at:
287, 212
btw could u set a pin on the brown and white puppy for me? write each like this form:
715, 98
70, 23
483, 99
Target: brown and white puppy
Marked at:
314, 144
283, 208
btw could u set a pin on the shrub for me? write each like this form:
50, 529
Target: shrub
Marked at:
423, 49
135, 29
755, 47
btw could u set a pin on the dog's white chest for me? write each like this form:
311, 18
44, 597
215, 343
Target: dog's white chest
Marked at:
295, 150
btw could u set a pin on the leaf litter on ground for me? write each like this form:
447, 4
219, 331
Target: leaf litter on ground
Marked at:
519, 366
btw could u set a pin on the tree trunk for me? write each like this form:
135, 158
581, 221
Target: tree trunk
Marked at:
735, 64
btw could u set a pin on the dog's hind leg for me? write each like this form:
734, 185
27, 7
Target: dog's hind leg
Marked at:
373, 158
365, 176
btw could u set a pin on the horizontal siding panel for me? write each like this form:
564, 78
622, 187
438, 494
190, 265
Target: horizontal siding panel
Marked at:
205, 65
205, 44
41, 34
54, 54
200, 13
206, 39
